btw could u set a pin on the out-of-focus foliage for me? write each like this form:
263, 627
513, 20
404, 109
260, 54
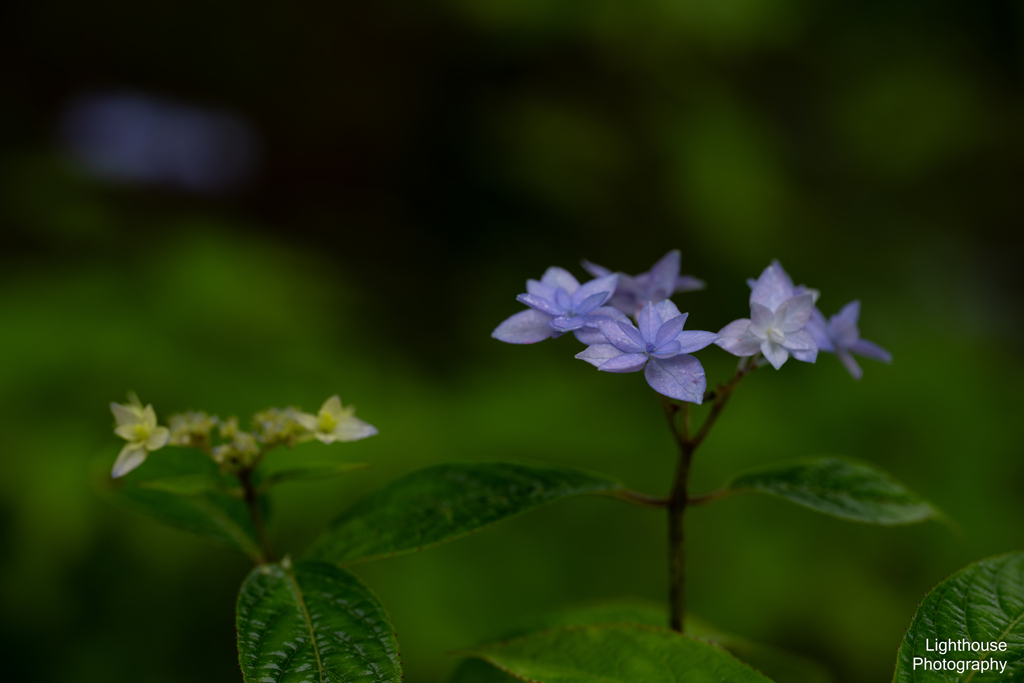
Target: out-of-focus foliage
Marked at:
183, 488
421, 161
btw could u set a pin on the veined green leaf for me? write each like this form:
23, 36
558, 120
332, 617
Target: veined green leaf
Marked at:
314, 623
841, 487
777, 664
445, 502
165, 487
982, 604
320, 470
615, 653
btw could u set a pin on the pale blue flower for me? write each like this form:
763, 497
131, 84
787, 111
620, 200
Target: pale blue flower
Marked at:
841, 336
559, 304
779, 312
659, 347
660, 282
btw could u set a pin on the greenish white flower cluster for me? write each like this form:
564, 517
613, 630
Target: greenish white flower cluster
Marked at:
236, 449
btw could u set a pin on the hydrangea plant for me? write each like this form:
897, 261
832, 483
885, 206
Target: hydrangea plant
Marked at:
311, 619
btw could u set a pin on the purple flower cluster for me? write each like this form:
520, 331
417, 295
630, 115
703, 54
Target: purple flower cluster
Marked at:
779, 313
659, 283
659, 346
783, 322
558, 303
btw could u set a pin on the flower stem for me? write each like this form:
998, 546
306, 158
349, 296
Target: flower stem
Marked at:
252, 501
677, 501
679, 421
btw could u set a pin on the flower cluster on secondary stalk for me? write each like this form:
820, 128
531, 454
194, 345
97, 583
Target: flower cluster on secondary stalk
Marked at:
232, 448
784, 322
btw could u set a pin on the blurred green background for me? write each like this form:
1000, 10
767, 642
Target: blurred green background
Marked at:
419, 161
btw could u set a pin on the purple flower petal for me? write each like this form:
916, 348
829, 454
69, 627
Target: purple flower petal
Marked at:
850, 364
667, 310
773, 287
627, 362
842, 327
525, 327
804, 289
539, 304
695, 340
590, 335
608, 312
667, 350
538, 288
648, 322
807, 356
681, 378
616, 334
632, 287
817, 325
799, 341
662, 276
688, 283
793, 314
626, 301
776, 354
598, 353
632, 332
603, 285
591, 302
669, 329
761, 317
563, 300
863, 347
737, 339
556, 277
564, 323
594, 269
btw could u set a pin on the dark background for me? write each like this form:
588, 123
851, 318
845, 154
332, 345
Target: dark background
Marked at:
417, 162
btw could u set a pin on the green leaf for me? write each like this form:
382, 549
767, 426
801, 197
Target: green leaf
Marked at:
446, 502
190, 485
166, 487
615, 653
313, 622
319, 470
982, 603
841, 487
479, 671
777, 664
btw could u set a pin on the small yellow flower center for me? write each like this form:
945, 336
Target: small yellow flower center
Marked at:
327, 422
142, 431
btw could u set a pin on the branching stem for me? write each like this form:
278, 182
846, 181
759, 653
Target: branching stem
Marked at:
680, 423
252, 502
